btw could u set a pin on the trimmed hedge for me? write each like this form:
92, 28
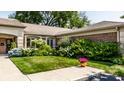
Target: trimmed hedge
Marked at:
95, 50
100, 50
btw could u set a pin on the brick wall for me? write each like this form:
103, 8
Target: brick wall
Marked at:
99, 37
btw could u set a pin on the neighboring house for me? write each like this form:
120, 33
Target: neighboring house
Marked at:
23, 33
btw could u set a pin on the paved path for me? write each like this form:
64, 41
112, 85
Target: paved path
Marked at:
65, 74
9, 72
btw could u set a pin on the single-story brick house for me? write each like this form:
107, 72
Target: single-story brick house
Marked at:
23, 33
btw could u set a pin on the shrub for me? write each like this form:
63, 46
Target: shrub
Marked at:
65, 52
28, 51
15, 52
100, 50
46, 47
106, 49
45, 51
82, 47
41, 49
38, 43
119, 73
118, 61
95, 50
13, 45
40, 53
64, 42
54, 52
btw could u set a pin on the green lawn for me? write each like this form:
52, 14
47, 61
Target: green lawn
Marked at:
35, 64
108, 67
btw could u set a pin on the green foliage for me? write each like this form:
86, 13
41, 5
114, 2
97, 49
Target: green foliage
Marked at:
41, 53
64, 42
27, 52
36, 52
67, 19
27, 16
82, 47
118, 60
108, 67
100, 50
119, 73
65, 52
95, 50
38, 43
122, 17
13, 45
41, 49
78, 22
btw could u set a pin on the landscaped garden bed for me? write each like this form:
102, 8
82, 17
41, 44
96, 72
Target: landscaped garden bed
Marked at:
42, 57
29, 65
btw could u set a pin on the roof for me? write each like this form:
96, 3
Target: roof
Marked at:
56, 31
42, 30
97, 26
10, 22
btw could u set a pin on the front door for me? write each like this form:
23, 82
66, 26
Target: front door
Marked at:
2, 46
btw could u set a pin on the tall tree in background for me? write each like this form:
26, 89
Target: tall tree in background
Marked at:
122, 17
27, 16
69, 19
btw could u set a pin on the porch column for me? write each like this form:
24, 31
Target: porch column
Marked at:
118, 36
20, 42
25, 42
54, 43
46, 40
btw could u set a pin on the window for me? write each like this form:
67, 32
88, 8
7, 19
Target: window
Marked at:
50, 41
28, 42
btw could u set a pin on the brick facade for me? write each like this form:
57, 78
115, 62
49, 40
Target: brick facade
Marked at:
99, 37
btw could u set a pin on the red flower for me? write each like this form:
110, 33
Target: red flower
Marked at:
82, 60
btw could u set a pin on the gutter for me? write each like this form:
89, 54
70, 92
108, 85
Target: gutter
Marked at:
13, 26
89, 30
83, 31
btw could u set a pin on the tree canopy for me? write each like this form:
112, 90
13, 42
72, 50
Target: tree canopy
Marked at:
122, 16
67, 19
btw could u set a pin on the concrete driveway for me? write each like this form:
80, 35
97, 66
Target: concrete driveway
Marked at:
9, 72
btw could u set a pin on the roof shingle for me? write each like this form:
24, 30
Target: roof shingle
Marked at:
42, 30
97, 26
10, 22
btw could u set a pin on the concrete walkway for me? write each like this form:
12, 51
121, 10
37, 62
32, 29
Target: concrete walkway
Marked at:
65, 74
9, 72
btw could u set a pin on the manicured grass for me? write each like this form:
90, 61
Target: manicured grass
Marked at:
35, 64
108, 67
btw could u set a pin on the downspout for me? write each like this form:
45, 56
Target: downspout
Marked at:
118, 34
118, 38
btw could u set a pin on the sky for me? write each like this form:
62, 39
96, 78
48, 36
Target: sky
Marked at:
94, 16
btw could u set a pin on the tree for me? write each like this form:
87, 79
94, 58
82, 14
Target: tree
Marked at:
79, 20
67, 19
34, 17
122, 16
